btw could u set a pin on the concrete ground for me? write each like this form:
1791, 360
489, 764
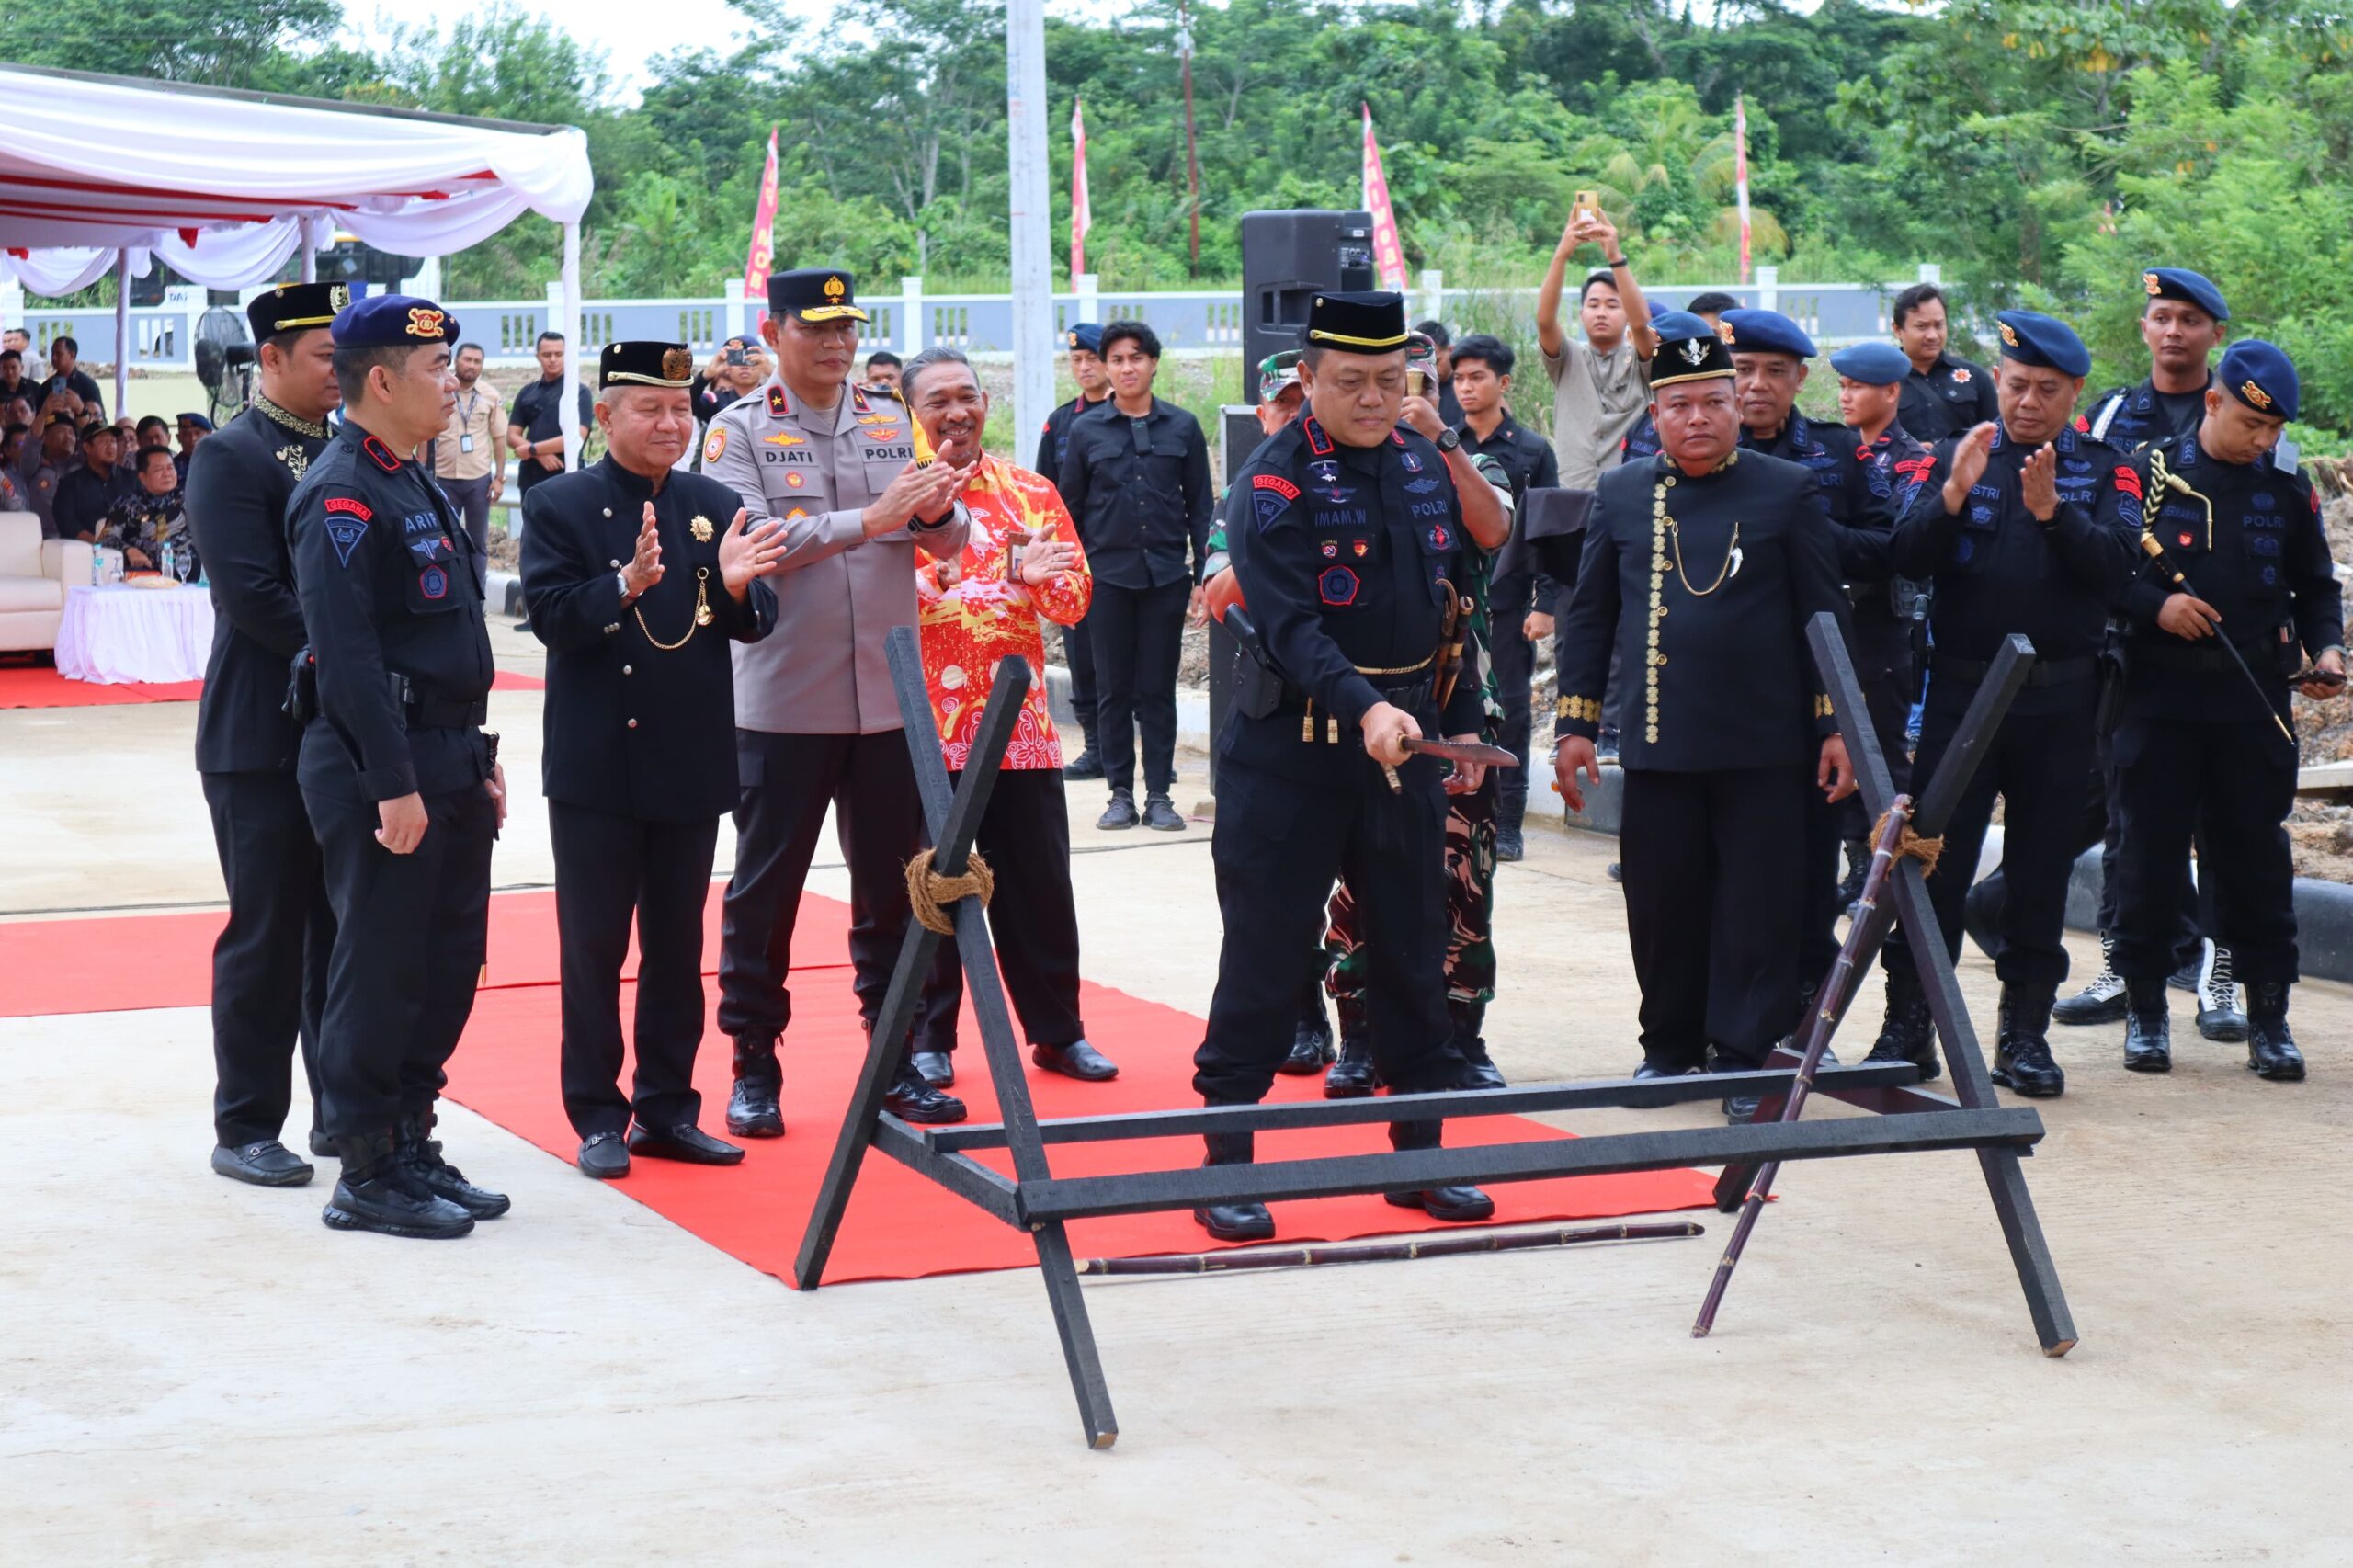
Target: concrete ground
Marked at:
196, 1371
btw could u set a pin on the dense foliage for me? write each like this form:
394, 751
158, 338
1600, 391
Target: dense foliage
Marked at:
2040, 150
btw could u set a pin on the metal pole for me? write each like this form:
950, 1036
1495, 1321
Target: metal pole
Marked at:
1032, 213
1192, 157
121, 329
568, 403
310, 256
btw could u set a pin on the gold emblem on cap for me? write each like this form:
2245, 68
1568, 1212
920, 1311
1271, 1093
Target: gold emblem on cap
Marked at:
2150, 281
2009, 333
2255, 395
678, 365
835, 290
424, 324
1724, 330
701, 529
1694, 352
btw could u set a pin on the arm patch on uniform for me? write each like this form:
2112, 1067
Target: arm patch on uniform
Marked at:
714, 444
2128, 481
1271, 494
346, 524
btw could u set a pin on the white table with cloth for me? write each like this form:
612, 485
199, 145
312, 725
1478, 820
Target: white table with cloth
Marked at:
123, 632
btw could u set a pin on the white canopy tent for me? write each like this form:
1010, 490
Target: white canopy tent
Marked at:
102, 174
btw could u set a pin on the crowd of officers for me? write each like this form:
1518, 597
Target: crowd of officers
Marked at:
1386, 558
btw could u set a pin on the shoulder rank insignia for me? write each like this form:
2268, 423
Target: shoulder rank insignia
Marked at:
779, 405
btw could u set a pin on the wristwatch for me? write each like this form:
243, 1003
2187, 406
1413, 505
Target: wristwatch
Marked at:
1447, 439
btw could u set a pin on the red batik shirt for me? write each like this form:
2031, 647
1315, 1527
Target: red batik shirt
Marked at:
985, 614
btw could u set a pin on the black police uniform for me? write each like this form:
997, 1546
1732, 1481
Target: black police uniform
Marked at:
2129, 418
1053, 446
269, 965
2195, 747
1528, 458
639, 766
1140, 493
1949, 398
1339, 551
2000, 571
1705, 584
392, 596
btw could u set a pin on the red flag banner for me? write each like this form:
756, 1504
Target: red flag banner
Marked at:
1082, 212
1388, 254
763, 252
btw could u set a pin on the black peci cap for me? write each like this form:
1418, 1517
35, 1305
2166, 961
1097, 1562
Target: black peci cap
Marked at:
1371, 322
645, 365
296, 307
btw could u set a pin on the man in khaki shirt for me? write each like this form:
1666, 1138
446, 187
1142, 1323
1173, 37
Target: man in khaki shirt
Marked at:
1600, 385
470, 456
817, 723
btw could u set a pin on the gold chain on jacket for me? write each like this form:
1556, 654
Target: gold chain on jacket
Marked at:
294, 422
1667, 536
702, 616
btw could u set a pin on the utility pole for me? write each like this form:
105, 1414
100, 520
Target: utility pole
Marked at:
1192, 156
1032, 211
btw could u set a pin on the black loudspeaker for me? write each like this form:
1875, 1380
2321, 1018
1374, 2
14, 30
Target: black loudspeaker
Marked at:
1286, 257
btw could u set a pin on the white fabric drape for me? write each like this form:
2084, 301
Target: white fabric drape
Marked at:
224, 188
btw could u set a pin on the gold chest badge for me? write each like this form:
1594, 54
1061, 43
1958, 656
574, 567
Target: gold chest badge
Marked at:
701, 529
296, 461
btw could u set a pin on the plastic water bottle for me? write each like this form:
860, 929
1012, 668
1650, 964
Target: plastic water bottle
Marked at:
97, 567
164, 558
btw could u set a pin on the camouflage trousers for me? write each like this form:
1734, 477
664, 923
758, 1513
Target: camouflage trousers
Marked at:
1470, 910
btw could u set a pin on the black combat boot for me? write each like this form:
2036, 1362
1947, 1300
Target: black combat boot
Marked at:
2102, 1001
2022, 1059
913, 1097
2148, 1032
1087, 764
1859, 865
1908, 1033
379, 1192
2270, 1050
1468, 1018
751, 1107
1233, 1222
2220, 1017
1311, 1039
1351, 1077
416, 1148
1461, 1204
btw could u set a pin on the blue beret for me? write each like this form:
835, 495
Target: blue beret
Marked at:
1086, 335
1657, 309
1875, 364
2032, 338
2179, 283
2261, 376
393, 321
1768, 331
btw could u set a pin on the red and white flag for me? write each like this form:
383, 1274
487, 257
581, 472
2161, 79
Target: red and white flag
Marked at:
1082, 212
1740, 173
755, 265
1388, 254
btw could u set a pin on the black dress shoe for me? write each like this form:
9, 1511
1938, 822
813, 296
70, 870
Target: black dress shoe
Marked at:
1085, 764
422, 1156
1351, 1077
321, 1146
265, 1163
1741, 1109
938, 1068
604, 1156
1120, 814
686, 1142
1076, 1060
1616, 873
1461, 1204
379, 1192
1650, 1070
912, 1099
1511, 844
752, 1105
1160, 814
1237, 1221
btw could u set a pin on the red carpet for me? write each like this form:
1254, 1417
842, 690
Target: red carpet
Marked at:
899, 1227
42, 686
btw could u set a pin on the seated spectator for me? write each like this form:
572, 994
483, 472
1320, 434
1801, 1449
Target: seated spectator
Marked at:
61, 403
150, 517
882, 371
86, 495
151, 431
21, 411
1021, 565
12, 376
65, 359
14, 498
192, 429
128, 438
17, 341
43, 467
